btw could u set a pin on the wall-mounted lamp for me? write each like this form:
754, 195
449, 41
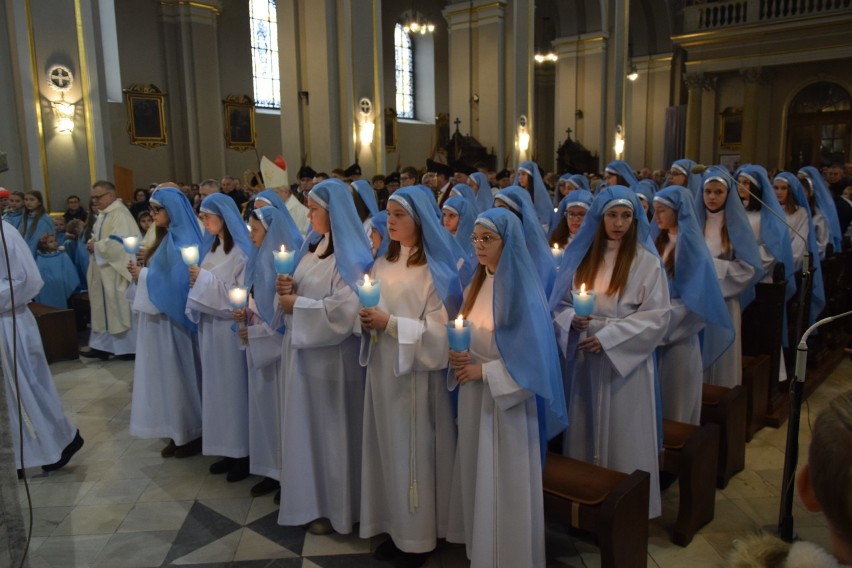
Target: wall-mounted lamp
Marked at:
634, 73
619, 142
545, 57
523, 134
366, 126
60, 79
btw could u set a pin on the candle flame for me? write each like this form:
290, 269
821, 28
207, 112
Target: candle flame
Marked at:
555, 246
283, 249
459, 322
367, 280
582, 288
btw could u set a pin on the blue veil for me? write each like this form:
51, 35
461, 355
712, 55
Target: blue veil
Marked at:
368, 196
542, 201
168, 277
695, 281
522, 318
518, 200
622, 168
466, 210
442, 252
260, 270
579, 181
693, 181
825, 204
225, 207
484, 198
581, 197
463, 190
352, 253
818, 291
271, 196
743, 242
379, 222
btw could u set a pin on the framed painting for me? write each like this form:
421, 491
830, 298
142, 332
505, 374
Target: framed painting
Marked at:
146, 116
731, 129
239, 123
390, 130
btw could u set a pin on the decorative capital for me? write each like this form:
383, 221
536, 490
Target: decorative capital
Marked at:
755, 75
695, 81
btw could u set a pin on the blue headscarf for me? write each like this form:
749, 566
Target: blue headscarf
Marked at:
646, 189
465, 191
379, 222
693, 181
427, 191
579, 181
168, 277
522, 318
825, 203
743, 241
352, 253
442, 252
466, 210
695, 281
260, 270
368, 196
817, 289
484, 198
622, 168
518, 200
225, 207
578, 197
271, 196
586, 235
541, 201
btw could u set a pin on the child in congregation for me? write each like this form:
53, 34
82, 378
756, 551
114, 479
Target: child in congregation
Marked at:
14, 212
75, 248
58, 272
59, 227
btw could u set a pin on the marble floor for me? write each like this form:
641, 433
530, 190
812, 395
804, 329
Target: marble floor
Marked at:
119, 504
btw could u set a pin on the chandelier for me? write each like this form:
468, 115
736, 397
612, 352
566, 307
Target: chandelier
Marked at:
416, 23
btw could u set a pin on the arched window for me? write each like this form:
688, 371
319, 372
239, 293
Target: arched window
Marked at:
404, 65
264, 54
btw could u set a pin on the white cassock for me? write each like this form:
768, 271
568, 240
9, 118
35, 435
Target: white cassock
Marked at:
46, 429
166, 400
224, 374
496, 505
263, 357
734, 275
323, 399
611, 400
679, 360
409, 435
299, 213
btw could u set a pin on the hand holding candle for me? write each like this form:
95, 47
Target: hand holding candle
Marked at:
189, 255
238, 296
131, 247
285, 261
369, 293
458, 334
584, 301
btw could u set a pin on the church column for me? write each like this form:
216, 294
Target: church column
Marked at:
617, 17
193, 87
695, 84
709, 143
519, 75
754, 79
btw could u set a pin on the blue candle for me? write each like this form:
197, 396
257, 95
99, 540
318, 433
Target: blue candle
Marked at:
285, 261
189, 255
458, 333
584, 302
369, 292
238, 296
131, 245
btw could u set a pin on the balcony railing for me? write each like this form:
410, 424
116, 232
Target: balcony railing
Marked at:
717, 15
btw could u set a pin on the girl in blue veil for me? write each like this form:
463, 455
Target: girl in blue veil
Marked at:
465, 191
619, 172
529, 178
484, 195
511, 399
516, 199
609, 372
568, 183
824, 205
459, 217
569, 217
697, 305
378, 233
681, 174
166, 400
367, 195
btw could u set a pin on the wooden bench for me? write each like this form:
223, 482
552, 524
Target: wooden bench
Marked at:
611, 505
691, 452
727, 409
58, 332
80, 304
756, 376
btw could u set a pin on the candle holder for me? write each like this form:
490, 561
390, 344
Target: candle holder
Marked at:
131, 247
459, 337
584, 302
189, 254
238, 296
369, 293
285, 261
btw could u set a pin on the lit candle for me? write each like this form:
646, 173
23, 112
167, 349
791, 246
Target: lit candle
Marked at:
557, 253
238, 296
584, 301
369, 292
285, 260
458, 334
189, 255
131, 245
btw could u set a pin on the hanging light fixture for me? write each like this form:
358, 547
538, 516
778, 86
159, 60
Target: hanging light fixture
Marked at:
543, 54
416, 23
634, 73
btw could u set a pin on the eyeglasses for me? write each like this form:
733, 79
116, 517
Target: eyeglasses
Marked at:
484, 240
580, 215
97, 197
153, 209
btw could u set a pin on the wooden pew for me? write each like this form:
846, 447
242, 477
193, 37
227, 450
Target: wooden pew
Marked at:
727, 409
58, 332
756, 375
611, 505
691, 453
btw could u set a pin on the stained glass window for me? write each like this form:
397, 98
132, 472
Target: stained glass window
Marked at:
404, 60
264, 54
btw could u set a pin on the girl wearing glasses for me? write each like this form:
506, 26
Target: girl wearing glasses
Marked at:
609, 368
510, 402
569, 217
409, 432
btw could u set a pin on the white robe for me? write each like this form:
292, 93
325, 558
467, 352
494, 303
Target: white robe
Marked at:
734, 276
409, 435
798, 223
224, 374
299, 213
679, 360
496, 504
166, 400
611, 402
821, 232
263, 357
46, 428
323, 399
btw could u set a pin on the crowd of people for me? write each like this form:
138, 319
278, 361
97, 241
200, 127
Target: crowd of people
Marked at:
593, 307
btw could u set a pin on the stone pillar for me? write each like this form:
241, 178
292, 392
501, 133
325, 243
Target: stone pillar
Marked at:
695, 84
616, 74
194, 96
708, 131
754, 78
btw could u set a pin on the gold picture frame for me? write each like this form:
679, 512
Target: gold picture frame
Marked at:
731, 129
390, 129
146, 116
239, 123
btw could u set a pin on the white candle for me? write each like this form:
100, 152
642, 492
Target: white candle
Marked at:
190, 255
131, 242
238, 296
459, 322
